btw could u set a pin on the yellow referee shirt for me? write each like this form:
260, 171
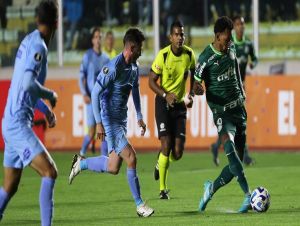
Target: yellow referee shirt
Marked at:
173, 70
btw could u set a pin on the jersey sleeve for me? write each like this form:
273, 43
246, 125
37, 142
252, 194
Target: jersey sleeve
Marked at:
200, 67
34, 58
106, 76
157, 66
83, 74
252, 54
193, 61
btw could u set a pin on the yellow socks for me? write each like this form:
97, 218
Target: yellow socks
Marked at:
163, 163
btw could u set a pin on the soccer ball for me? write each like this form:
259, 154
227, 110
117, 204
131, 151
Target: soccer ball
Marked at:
260, 199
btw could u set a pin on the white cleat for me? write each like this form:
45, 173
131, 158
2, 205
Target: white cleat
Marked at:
144, 211
75, 168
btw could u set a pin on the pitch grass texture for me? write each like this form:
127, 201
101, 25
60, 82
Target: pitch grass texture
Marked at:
99, 199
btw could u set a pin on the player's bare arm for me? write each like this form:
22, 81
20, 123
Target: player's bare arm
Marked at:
171, 98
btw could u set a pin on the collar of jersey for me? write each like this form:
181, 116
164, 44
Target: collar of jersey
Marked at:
215, 51
237, 41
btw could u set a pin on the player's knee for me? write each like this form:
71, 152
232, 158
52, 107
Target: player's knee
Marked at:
114, 170
177, 155
51, 173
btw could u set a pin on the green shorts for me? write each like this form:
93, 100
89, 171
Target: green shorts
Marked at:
231, 121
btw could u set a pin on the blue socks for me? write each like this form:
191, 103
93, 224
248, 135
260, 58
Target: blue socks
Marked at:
4, 199
96, 164
46, 200
104, 148
134, 185
85, 145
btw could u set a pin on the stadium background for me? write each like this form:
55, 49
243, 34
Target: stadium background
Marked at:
272, 89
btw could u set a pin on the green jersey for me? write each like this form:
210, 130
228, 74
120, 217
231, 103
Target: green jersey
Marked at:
244, 50
220, 73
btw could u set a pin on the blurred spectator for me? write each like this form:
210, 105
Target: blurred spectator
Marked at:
73, 11
3, 17
109, 45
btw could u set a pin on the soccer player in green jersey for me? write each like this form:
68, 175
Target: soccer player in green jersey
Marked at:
218, 68
244, 51
172, 66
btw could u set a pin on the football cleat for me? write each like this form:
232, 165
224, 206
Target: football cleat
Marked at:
207, 195
75, 167
164, 194
144, 211
214, 151
246, 205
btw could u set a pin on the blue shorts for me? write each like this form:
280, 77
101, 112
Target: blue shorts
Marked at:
90, 119
116, 137
21, 146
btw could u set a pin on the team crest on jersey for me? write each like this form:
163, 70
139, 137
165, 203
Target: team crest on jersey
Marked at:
38, 57
232, 55
105, 70
157, 67
246, 49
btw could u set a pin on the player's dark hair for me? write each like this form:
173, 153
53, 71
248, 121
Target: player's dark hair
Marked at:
222, 24
94, 30
134, 35
47, 12
237, 17
176, 23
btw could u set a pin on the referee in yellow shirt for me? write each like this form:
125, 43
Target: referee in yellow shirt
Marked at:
172, 67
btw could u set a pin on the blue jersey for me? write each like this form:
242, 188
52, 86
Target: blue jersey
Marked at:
31, 57
90, 67
112, 90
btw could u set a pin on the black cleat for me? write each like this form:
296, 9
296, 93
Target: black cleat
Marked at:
214, 151
164, 194
156, 172
248, 161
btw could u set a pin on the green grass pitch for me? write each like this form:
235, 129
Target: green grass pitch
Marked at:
99, 199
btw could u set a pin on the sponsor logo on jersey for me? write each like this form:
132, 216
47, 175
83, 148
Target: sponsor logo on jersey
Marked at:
216, 63
227, 75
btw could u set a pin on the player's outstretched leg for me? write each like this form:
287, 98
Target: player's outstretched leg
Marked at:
236, 169
215, 151
97, 164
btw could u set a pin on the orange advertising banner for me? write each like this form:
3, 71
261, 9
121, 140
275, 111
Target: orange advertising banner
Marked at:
273, 116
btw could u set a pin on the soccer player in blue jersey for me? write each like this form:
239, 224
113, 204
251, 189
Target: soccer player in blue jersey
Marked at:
109, 99
92, 63
22, 147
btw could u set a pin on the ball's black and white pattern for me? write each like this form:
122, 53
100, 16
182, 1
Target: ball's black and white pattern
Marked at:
260, 199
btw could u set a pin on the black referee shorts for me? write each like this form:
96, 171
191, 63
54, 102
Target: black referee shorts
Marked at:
170, 120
